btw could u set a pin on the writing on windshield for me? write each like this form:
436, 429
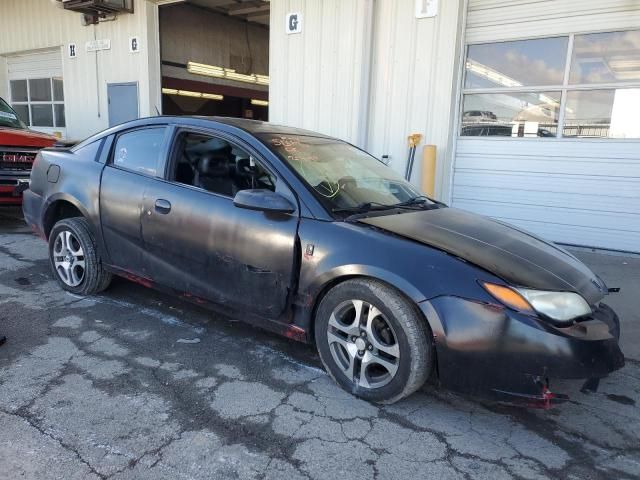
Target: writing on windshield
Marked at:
339, 174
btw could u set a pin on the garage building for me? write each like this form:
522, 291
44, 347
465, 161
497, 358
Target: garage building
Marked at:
531, 104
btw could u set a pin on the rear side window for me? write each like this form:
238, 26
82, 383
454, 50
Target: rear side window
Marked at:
139, 150
90, 150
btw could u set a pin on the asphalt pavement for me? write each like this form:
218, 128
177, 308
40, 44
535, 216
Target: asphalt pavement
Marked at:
133, 384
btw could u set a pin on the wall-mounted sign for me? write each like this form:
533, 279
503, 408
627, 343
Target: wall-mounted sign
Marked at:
426, 8
134, 45
96, 45
294, 23
72, 50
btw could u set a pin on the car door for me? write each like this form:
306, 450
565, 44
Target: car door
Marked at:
199, 243
132, 165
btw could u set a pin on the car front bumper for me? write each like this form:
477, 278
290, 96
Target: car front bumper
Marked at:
11, 188
486, 349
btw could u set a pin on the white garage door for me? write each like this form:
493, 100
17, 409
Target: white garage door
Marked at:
549, 137
36, 90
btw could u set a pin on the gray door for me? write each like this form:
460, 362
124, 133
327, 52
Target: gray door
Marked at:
123, 102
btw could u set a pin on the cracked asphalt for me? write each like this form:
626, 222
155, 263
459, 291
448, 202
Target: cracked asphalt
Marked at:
133, 384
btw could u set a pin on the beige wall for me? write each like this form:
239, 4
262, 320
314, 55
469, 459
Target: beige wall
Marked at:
414, 84
319, 78
370, 72
39, 24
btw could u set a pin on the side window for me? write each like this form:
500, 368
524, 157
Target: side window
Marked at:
90, 150
139, 150
215, 165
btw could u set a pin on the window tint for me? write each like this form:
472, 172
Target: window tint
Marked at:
42, 115
19, 90
511, 114
40, 89
217, 166
58, 90
139, 150
515, 64
90, 150
606, 58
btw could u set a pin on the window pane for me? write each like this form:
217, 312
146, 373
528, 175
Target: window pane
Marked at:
59, 115
23, 112
218, 166
19, 90
139, 150
513, 64
40, 89
511, 114
42, 115
58, 90
606, 58
602, 113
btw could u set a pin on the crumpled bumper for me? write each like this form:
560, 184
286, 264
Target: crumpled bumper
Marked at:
488, 350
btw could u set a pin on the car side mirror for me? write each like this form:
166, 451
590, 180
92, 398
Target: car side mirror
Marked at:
263, 200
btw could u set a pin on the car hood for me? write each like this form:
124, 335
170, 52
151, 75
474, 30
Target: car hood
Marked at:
517, 257
15, 137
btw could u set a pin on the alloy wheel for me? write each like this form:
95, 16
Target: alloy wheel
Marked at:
363, 344
68, 258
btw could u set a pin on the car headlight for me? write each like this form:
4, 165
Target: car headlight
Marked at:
562, 307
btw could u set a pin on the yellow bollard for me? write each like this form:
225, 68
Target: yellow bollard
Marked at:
429, 170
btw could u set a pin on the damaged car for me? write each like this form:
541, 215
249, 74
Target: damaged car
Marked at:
315, 239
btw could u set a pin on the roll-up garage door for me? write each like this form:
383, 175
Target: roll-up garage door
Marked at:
36, 90
548, 135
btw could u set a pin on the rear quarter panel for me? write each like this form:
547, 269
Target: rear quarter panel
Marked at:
64, 175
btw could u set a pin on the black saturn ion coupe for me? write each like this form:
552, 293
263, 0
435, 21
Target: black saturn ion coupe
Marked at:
313, 238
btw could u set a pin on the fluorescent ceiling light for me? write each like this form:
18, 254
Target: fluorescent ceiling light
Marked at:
188, 93
260, 103
212, 96
228, 73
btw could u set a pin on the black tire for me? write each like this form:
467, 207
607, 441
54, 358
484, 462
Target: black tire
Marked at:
411, 332
96, 278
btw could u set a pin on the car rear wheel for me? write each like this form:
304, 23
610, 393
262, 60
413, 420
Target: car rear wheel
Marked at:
373, 341
74, 258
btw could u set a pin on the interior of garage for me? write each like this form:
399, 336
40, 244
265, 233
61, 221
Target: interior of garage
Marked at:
215, 58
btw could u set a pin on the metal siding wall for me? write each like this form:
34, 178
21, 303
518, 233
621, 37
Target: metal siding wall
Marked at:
570, 191
317, 76
38, 24
414, 84
34, 65
495, 20
581, 192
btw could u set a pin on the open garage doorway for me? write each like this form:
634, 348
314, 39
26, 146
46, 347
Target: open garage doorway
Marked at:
215, 58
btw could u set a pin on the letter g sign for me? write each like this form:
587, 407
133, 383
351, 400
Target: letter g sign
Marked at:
294, 23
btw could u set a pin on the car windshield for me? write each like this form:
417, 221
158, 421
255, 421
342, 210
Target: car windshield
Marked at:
8, 117
344, 178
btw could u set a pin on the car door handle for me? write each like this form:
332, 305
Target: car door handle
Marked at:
163, 206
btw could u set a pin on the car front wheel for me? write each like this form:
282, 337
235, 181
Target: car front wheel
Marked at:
74, 258
373, 341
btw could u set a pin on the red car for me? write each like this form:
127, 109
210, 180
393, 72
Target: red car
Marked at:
18, 148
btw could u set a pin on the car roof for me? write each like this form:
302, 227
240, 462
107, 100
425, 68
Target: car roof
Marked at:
258, 126
253, 127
